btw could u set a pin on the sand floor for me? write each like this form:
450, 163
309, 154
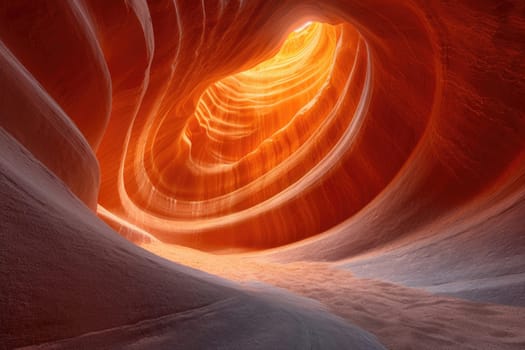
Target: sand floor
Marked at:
401, 317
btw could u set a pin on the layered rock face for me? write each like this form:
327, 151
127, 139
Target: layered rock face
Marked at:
386, 137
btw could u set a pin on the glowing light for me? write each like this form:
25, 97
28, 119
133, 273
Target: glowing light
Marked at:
253, 142
303, 27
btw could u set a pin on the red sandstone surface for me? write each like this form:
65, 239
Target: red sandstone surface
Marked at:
348, 174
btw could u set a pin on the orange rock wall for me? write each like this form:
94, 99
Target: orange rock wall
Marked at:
370, 123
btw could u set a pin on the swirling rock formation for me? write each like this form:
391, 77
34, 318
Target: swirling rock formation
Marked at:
385, 137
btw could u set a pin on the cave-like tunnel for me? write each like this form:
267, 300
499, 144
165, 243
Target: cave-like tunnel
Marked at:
256, 174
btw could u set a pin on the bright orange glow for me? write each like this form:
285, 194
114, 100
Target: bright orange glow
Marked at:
242, 115
303, 27
252, 143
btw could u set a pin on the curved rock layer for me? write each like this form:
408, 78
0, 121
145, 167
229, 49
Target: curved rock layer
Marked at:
385, 136
222, 126
218, 154
235, 146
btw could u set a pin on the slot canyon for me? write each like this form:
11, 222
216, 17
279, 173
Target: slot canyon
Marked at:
262, 174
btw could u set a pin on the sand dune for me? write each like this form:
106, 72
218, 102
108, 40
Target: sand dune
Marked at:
401, 317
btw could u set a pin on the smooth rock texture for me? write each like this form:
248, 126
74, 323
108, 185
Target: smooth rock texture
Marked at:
69, 281
296, 144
